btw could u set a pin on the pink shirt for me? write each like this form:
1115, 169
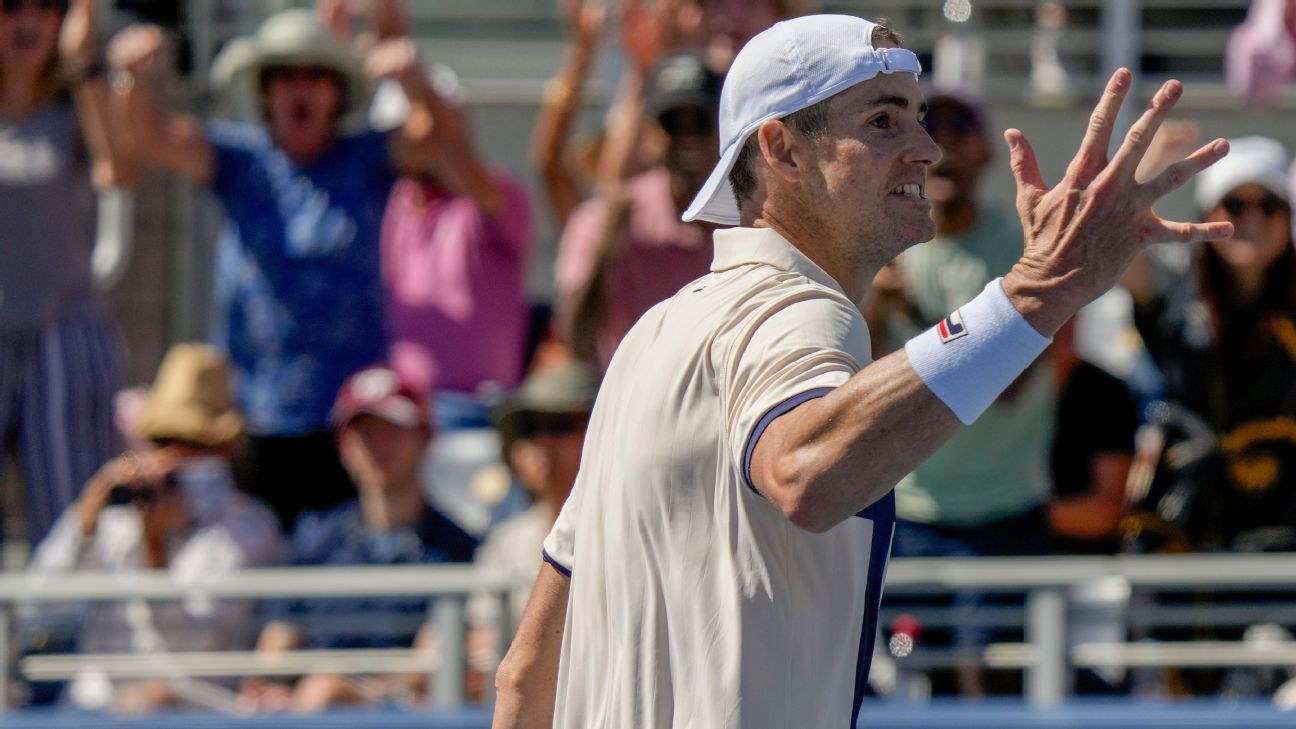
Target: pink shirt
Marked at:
1262, 52
456, 286
659, 256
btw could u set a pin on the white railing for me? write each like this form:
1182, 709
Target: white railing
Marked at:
447, 588
1045, 655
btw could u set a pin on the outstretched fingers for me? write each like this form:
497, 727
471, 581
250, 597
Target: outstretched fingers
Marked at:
1140, 135
1174, 176
1166, 231
1091, 158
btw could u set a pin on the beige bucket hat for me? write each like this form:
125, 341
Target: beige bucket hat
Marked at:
294, 38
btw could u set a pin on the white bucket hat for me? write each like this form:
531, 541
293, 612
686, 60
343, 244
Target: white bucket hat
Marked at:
792, 65
1258, 160
294, 38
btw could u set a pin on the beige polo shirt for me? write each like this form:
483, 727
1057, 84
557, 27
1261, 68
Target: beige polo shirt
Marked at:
694, 602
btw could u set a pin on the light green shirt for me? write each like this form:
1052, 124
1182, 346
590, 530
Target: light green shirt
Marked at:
998, 466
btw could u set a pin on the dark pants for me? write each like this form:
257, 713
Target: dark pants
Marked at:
294, 474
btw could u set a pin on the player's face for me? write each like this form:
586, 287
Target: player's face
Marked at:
872, 166
301, 106
1262, 223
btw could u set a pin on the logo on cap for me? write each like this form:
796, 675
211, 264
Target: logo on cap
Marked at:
951, 328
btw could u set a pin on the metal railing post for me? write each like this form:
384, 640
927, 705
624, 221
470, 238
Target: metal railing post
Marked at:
1122, 29
4, 658
1048, 677
448, 612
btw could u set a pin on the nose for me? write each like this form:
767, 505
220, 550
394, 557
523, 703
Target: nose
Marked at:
922, 149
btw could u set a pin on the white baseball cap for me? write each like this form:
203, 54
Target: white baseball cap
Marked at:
1258, 160
789, 66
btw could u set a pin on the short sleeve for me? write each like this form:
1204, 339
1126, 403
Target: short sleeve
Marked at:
560, 545
795, 351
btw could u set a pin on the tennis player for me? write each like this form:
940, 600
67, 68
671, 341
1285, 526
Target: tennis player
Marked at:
720, 561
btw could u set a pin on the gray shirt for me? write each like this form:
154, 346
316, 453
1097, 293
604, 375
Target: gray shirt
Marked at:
47, 220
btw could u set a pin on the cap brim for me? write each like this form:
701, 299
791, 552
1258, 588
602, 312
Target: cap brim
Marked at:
715, 202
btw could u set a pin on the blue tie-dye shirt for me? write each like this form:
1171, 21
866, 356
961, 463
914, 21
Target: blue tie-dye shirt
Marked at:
298, 294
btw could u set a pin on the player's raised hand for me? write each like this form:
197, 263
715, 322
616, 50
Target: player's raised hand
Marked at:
1082, 233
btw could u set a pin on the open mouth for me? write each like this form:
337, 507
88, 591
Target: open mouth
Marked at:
300, 113
25, 39
909, 190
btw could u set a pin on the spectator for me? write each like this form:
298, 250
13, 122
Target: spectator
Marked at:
383, 429
456, 251
1225, 341
542, 429
174, 507
983, 492
1091, 454
618, 257
58, 352
1261, 54
298, 293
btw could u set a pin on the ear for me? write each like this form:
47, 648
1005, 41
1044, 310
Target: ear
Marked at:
782, 149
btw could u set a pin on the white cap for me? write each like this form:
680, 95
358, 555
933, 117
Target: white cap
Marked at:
1258, 160
791, 65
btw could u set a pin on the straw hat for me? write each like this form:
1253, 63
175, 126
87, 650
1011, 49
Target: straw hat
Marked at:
190, 399
294, 38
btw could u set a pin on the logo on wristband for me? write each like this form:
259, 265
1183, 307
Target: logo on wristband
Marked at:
951, 328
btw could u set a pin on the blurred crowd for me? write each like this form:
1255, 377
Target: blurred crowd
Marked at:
380, 388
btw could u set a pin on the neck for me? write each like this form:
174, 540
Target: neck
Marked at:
1249, 282
683, 187
395, 506
849, 262
955, 217
551, 502
20, 93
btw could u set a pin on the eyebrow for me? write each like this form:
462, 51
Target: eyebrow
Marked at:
896, 101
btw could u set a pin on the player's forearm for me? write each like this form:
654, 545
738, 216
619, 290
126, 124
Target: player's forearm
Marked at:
526, 683
834, 456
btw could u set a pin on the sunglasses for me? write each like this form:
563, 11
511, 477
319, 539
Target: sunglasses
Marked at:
537, 423
13, 6
688, 121
953, 123
1269, 205
293, 73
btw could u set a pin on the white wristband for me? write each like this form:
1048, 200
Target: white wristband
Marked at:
972, 356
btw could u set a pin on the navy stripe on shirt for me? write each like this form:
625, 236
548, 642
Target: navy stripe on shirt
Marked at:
882, 514
555, 564
780, 409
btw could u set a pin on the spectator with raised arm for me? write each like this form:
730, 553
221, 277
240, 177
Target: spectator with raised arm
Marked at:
298, 293
171, 506
59, 355
984, 491
620, 255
